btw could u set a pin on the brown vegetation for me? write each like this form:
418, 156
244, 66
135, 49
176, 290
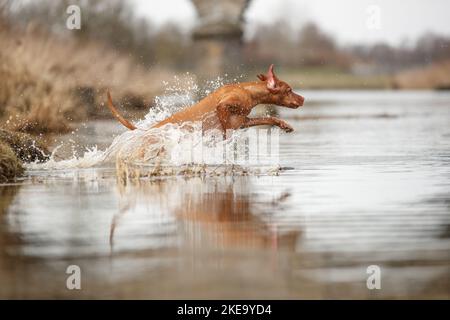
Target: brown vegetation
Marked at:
434, 76
48, 82
26, 147
15, 148
10, 165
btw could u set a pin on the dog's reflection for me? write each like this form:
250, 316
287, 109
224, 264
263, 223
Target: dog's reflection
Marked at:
211, 212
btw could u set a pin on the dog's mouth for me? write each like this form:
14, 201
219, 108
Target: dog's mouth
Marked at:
295, 105
298, 102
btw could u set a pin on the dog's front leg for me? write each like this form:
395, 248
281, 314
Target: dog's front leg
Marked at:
271, 121
230, 114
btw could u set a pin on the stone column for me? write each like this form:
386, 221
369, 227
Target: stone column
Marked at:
218, 37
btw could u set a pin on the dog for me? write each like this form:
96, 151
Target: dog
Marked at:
228, 107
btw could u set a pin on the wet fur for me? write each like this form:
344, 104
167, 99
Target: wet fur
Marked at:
231, 104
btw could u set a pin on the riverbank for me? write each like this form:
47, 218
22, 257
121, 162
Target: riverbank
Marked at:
432, 77
17, 148
324, 78
48, 83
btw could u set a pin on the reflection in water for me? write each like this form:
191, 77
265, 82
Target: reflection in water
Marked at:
215, 212
7, 195
362, 190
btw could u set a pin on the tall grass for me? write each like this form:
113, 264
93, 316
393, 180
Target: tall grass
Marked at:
434, 76
44, 80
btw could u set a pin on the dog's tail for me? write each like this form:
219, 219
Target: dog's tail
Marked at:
118, 116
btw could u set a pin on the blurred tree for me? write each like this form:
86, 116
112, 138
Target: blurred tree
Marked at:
109, 21
271, 43
309, 46
431, 47
428, 49
315, 47
114, 23
172, 47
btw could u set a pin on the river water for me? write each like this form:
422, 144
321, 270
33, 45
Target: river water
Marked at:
366, 182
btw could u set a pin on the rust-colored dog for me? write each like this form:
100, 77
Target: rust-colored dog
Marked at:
229, 106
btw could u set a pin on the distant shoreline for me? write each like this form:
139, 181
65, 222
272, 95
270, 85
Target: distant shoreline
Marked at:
432, 77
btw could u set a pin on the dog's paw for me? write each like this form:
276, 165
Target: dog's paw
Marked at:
286, 127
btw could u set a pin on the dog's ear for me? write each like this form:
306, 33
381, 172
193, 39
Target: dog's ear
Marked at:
272, 80
262, 77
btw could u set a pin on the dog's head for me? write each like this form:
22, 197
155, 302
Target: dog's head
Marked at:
281, 93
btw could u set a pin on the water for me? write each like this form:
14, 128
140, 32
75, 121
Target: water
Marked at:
366, 182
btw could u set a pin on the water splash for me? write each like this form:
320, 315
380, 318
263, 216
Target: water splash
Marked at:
169, 150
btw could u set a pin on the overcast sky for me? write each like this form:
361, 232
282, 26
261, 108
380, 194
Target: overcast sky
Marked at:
345, 19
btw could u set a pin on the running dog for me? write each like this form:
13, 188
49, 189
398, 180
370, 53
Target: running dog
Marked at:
229, 106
